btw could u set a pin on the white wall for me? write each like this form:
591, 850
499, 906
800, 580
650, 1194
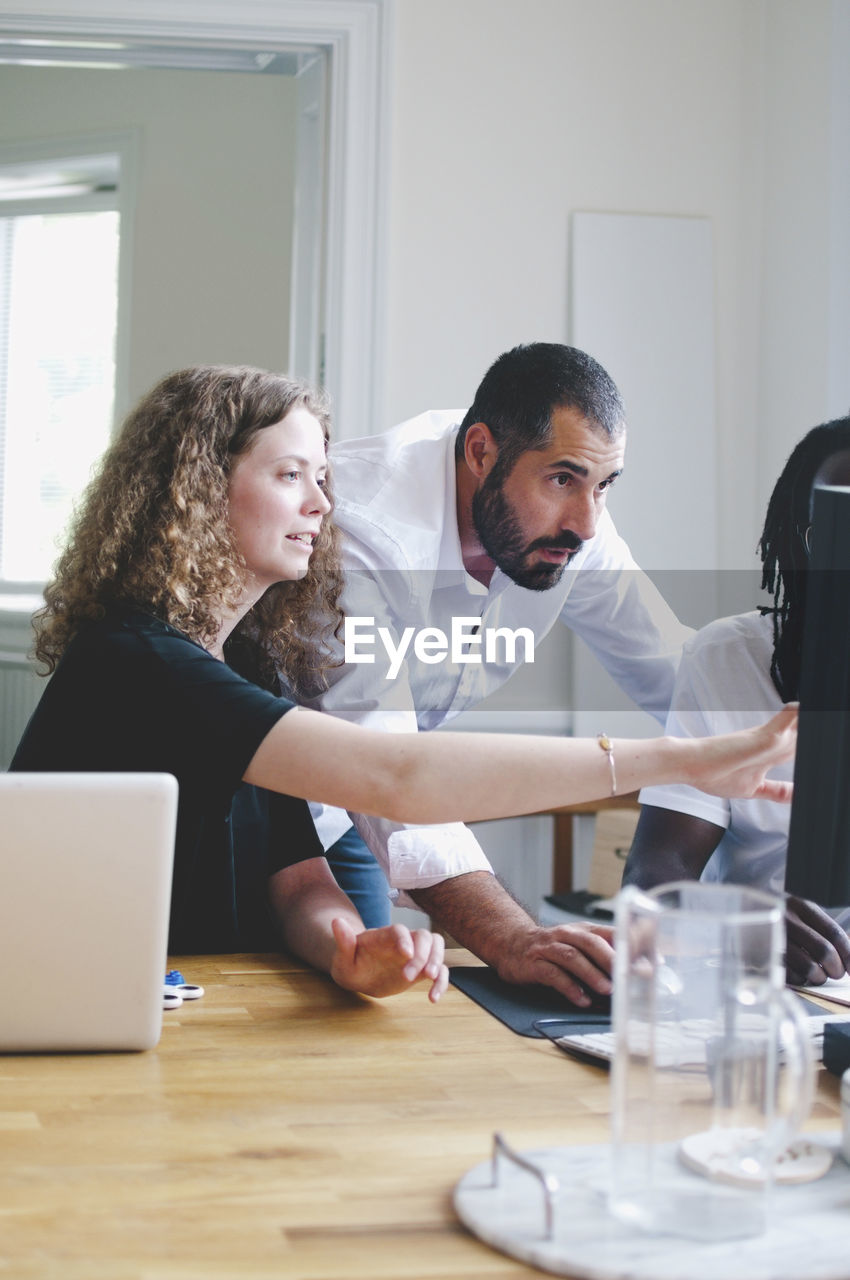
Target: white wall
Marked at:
804, 368
212, 229
509, 114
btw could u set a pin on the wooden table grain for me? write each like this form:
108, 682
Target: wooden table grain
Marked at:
282, 1128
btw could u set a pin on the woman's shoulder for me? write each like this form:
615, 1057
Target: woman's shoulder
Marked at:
131, 622
126, 633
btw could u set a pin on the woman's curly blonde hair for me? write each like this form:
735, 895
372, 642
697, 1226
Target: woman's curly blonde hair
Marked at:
152, 528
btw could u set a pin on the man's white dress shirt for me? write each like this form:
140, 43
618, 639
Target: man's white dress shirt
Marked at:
395, 502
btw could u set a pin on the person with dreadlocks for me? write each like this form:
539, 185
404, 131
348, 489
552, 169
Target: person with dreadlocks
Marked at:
734, 672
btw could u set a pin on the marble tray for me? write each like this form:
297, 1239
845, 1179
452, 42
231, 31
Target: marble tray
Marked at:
808, 1239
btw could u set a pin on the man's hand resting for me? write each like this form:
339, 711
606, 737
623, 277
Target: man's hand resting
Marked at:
575, 959
382, 962
477, 911
817, 947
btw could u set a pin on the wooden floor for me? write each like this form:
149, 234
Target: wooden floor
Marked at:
282, 1128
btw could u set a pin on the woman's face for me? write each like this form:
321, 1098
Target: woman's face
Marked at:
277, 499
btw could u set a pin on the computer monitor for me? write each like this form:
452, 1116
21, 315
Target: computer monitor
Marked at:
818, 865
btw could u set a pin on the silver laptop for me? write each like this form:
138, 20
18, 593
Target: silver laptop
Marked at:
85, 889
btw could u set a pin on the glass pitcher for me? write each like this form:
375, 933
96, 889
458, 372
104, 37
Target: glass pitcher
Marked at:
713, 1072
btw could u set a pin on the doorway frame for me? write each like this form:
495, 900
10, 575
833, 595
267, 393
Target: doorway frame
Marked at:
355, 36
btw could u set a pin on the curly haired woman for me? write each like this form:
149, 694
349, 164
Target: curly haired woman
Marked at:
200, 564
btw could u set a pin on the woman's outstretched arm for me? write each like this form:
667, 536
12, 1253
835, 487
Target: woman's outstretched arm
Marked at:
432, 777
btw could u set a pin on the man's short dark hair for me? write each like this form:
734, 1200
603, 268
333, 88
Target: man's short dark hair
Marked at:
521, 389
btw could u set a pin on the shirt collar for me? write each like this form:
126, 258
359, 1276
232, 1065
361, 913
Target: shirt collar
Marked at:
450, 558
450, 563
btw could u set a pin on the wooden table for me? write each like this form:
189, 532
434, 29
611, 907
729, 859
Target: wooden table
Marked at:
282, 1128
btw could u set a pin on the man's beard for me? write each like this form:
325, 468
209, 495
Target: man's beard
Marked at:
501, 537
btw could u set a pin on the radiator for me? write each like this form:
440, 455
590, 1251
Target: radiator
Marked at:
20, 690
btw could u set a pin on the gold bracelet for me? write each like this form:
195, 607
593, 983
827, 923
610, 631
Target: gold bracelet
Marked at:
608, 747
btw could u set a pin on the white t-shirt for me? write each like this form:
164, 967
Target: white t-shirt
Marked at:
724, 685
395, 502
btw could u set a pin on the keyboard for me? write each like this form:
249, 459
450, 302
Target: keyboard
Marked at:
688, 1043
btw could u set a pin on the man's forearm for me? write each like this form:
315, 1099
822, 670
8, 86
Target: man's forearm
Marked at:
304, 899
576, 959
477, 912
646, 868
669, 846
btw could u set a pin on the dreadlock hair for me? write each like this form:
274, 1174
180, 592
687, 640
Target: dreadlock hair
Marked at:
152, 528
783, 550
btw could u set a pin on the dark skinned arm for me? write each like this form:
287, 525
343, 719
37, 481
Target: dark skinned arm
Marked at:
669, 846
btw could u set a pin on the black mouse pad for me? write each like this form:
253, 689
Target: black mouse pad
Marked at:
519, 1007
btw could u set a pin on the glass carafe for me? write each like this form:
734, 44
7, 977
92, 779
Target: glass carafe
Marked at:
713, 1070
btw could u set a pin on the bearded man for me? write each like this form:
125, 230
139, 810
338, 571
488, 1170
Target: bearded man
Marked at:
494, 523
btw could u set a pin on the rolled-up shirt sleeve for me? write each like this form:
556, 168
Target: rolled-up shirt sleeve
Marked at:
417, 857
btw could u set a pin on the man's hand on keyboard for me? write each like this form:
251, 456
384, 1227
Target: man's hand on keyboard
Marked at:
475, 910
817, 947
575, 959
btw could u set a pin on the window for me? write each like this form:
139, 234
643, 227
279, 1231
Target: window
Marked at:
59, 258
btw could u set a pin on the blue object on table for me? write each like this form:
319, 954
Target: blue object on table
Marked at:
176, 984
